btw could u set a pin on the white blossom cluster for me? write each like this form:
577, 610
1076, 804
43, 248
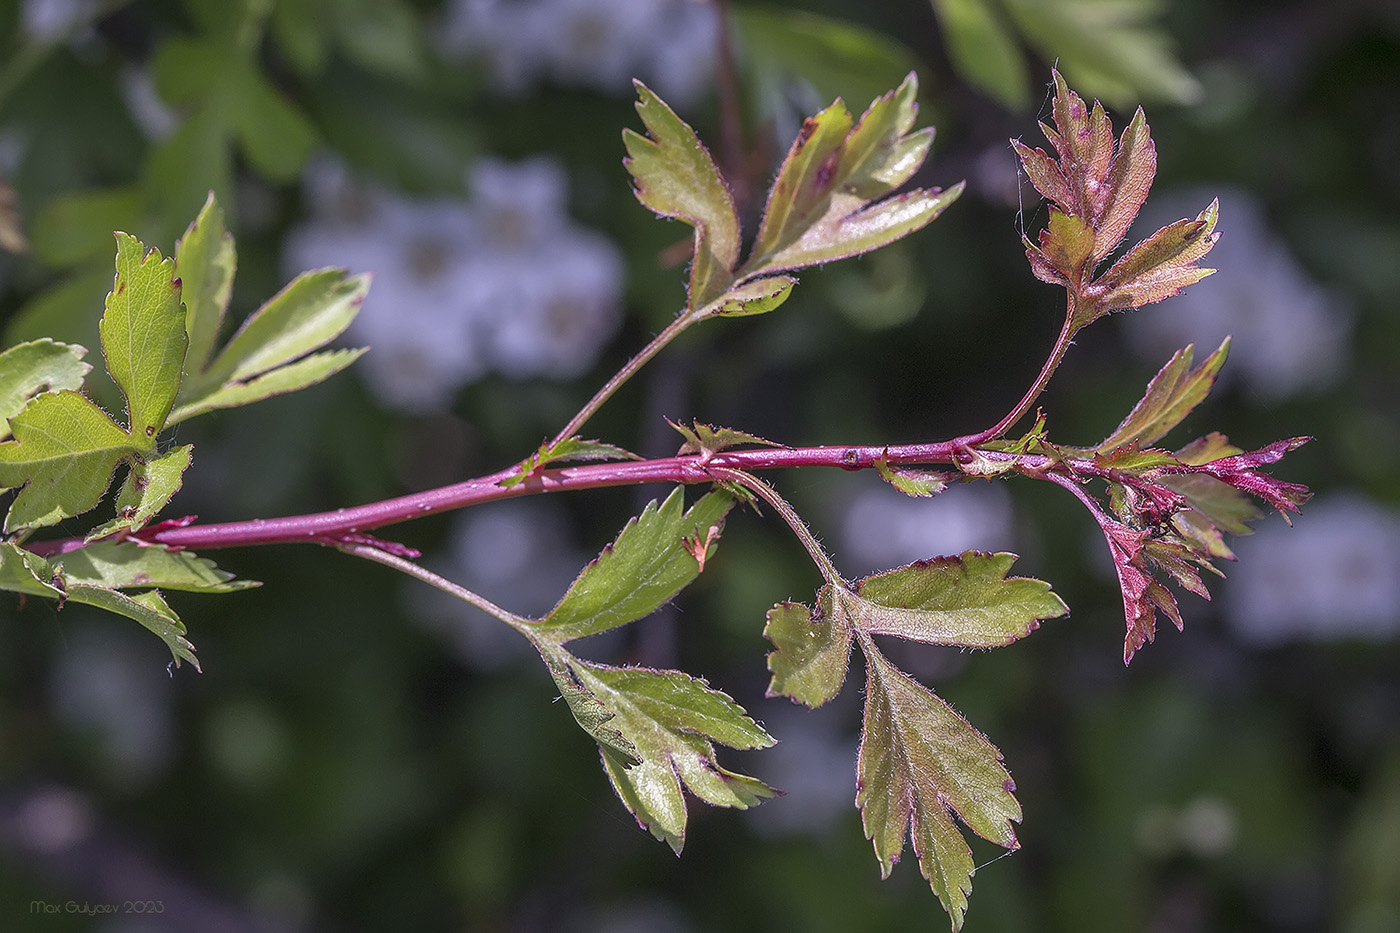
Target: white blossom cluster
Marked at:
503, 281
1334, 575
1290, 334
599, 44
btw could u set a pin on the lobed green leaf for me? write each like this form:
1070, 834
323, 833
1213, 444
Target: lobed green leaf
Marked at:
920, 763
126, 565
25, 572
710, 440
811, 649
674, 176
671, 719
966, 600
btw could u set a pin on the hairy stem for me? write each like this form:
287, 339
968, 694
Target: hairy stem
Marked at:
622, 375
404, 565
789, 514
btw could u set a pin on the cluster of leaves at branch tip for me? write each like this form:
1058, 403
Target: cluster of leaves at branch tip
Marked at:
1096, 191
159, 336
833, 197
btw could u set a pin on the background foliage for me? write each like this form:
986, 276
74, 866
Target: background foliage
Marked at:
358, 755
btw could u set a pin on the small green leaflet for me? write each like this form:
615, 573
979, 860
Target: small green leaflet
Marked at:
920, 764
708, 440
757, 296
206, 260
674, 176
149, 487
570, 448
653, 558
913, 482
671, 720
37, 366
812, 650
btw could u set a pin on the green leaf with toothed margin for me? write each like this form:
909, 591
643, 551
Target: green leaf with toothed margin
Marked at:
671, 721
653, 558
1170, 397
966, 600
143, 337
27, 369
812, 650
825, 203
64, 452
674, 176
149, 487
921, 764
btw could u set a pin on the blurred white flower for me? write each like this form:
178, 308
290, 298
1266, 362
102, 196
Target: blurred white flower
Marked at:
883, 528
502, 281
1290, 334
51, 20
601, 44
1334, 575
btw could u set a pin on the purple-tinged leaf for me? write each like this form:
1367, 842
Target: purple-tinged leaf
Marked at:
1158, 267
1125, 187
1170, 397
921, 764
674, 176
